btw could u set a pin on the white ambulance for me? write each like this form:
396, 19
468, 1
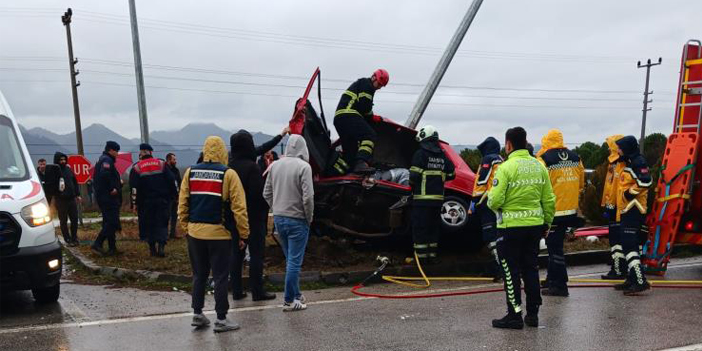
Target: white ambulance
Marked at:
30, 253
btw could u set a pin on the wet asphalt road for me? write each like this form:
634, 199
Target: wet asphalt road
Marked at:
97, 318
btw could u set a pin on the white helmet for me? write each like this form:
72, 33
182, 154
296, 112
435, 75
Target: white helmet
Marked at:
427, 132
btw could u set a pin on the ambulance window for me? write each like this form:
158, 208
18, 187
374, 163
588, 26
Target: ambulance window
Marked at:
12, 163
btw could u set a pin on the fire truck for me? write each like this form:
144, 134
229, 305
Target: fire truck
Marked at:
676, 217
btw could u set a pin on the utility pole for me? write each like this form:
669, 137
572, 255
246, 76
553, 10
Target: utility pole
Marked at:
423, 101
66, 20
141, 98
646, 101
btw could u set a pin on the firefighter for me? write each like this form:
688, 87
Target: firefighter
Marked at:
430, 169
108, 192
632, 193
145, 150
523, 199
490, 150
155, 185
609, 206
352, 117
567, 174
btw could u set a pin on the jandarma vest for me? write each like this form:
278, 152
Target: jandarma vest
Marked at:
206, 181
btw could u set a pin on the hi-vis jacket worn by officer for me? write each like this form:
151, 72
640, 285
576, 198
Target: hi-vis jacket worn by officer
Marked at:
208, 190
430, 169
521, 193
566, 171
357, 99
614, 169
490, 149
634, 181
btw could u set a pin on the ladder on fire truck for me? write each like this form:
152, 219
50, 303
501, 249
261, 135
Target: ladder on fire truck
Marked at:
677, 189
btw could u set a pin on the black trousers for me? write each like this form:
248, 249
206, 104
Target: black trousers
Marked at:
488, 222
354, 131
257, 244
206, 256
426, 225
557, 273
173, 218
518, 249
142, 213
110, 225
631, 224
615, 243
155, 220
68, 209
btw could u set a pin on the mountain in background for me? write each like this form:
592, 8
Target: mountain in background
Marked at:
185, 143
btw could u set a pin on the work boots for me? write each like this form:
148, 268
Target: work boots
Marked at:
511, 321
362, 167
636, 289
615, 273
637, 281
161, 250
152, 249
532, 317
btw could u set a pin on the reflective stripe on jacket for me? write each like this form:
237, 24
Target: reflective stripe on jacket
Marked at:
357, 99
430, 169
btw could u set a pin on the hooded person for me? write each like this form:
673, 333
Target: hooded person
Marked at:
490, 150
243, 161
290, 193
567, 175
66, 205
429, 170
632, 194
609, 209
209, 194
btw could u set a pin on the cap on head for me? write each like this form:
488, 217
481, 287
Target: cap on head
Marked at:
427, 132
111, 145
381, 76
145, 146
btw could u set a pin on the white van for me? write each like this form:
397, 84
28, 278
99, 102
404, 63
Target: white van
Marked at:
30, 253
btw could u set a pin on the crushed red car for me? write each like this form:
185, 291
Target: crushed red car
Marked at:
376, 205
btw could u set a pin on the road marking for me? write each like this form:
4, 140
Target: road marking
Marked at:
696, 347
269, 307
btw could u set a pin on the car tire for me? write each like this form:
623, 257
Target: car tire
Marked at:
454, 214
47, 295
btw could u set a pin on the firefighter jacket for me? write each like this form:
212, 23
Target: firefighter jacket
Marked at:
430, 169
565, 170
634, 181
521, 193
357, 99
614, 169
152, 179
208, 191
490, 149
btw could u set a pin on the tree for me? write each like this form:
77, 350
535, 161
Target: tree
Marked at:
472, 157
592, 154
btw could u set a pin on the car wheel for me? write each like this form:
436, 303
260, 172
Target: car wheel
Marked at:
454, 214
47, 295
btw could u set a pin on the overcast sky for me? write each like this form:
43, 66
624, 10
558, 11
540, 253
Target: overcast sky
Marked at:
200, 57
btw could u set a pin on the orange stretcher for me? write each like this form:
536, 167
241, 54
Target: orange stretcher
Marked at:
677, 210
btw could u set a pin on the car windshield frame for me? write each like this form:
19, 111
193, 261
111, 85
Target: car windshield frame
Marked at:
18, 152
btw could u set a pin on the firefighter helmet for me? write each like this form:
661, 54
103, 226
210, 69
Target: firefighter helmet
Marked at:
381, 76
427, 132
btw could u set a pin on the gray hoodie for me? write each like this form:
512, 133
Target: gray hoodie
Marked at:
289, 189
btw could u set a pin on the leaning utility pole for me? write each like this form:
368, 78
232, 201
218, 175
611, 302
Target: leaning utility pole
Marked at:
423, 101
66, 20
646, 93
141, 98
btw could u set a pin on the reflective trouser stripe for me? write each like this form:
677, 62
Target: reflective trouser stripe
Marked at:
510, 288
347, 110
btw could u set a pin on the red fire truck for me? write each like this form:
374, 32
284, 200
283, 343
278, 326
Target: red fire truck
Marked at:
677, 212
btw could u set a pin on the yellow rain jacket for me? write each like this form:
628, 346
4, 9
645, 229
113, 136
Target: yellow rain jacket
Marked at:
230, 193
565, 170
614, 170
634, 181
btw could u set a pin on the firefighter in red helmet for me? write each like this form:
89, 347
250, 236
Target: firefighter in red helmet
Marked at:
352, 121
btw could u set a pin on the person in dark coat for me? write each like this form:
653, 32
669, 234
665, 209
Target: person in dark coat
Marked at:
243, 161
172, 161
155, 185
266, 160
145, 150
65, 200
108, 192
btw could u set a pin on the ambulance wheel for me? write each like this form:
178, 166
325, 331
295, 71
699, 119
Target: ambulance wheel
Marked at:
454, 214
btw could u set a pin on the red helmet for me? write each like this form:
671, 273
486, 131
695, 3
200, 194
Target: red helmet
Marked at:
381, 76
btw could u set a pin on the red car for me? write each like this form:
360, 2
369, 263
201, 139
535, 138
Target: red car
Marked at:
369, 206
